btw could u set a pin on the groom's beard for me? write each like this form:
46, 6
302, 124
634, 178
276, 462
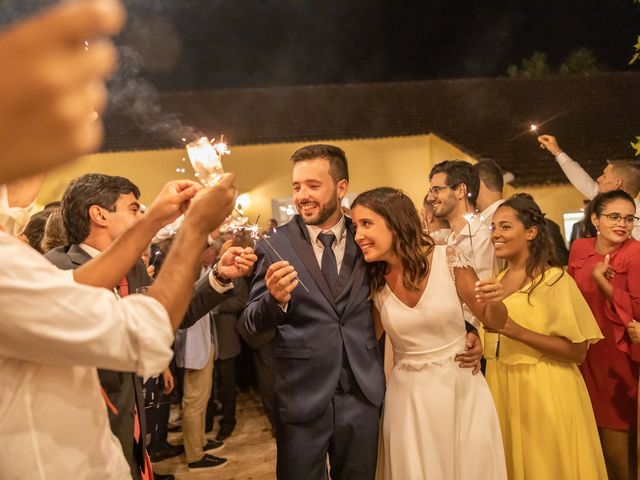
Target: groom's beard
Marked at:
326, 210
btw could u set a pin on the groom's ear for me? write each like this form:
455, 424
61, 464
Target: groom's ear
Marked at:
342, 187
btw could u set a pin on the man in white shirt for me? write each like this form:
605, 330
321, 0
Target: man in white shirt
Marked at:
454, 191
56, 331
618, 174
455, 185
53, 421
491, 185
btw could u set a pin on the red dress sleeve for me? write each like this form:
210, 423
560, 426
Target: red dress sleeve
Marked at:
625, 305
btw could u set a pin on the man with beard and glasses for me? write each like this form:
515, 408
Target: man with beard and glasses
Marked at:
328, 376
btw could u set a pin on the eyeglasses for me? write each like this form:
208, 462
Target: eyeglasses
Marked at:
435, 191
616, 217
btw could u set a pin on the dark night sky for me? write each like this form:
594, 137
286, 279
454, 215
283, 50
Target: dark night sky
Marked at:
241, 43
187, 44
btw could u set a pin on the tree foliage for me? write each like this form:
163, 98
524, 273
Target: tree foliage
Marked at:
534, 67
581, 61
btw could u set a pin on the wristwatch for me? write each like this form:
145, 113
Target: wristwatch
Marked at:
216, 274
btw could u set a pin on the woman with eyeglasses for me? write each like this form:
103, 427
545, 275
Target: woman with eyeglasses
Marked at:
607, 271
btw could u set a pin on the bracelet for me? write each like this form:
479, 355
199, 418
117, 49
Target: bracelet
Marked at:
216, 274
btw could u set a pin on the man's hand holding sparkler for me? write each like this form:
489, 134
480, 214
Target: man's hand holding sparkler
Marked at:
211, 206
236, 262
550, 143
281, 278
172, 201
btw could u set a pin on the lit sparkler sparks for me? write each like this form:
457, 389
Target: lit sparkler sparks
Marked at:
93, 116
533, 128
241, 228
205, 159
469, 216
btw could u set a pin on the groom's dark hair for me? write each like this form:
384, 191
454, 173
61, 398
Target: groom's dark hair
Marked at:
338, 167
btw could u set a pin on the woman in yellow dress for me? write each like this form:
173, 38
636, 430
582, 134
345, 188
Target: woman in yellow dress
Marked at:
546, 418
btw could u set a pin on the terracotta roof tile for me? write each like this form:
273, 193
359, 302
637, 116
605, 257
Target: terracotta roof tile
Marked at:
594, 117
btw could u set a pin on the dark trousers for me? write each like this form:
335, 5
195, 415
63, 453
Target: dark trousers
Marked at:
263, 364
226, 372
157, 407
347, 431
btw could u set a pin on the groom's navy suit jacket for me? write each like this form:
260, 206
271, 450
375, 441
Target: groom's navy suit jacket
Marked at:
317, 327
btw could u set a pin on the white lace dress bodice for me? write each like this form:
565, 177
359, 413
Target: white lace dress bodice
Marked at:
439, 421
434, 328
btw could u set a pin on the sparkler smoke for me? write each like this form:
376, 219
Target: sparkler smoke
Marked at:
133, 96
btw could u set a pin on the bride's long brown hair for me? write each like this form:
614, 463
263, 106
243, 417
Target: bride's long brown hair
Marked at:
410, 243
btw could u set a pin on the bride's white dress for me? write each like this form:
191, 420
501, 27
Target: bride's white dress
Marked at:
439, 420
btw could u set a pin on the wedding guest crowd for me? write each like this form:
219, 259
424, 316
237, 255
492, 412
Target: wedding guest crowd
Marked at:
109, 313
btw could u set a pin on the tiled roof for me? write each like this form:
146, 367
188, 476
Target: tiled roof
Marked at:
594, 117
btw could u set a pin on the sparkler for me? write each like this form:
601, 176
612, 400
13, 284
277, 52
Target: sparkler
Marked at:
241, 228
468, 216
205, 159
93, 116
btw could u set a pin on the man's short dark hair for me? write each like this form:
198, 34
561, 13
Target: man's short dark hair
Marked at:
34, 230
86, 191
459, 172
491, 174
338, 167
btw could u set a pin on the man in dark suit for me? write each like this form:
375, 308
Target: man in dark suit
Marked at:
96, 209
225, 317
328, 377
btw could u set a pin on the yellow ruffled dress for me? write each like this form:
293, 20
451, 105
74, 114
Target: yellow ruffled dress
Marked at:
547, 422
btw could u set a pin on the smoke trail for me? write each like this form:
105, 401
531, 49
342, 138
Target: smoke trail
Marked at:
131, 95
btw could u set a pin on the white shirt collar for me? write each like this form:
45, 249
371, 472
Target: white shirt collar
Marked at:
487, 214
338, 230
92, 252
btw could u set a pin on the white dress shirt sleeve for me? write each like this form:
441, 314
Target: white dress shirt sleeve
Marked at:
484, 257
45, 317
13, 219
577, 175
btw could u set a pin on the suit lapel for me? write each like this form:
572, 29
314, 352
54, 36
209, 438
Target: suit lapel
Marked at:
301, 243
77, 255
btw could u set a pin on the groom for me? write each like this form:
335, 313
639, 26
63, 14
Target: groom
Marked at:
328, 378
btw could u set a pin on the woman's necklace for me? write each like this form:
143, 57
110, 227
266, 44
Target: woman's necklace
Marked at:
603, 251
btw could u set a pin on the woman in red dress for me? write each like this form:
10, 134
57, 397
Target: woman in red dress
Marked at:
607, 271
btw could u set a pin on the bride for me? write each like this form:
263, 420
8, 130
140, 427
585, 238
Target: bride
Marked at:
439, 421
